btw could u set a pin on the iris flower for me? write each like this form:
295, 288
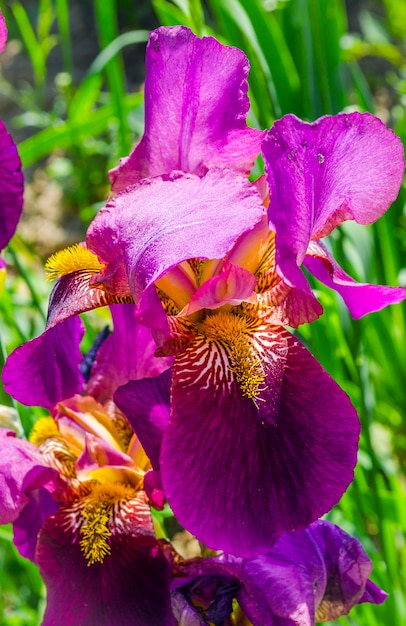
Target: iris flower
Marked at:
75, 494
80, 514
317, 574
12, 182
259, 439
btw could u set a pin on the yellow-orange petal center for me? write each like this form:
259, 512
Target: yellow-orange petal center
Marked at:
235, 332
43, 429
98, 509
72, 259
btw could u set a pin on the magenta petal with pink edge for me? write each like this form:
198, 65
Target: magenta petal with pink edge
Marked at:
161, 222
195, 109
130, 586
22, 472
232, 286
259, 470
99, 453
45, 370
348, 166
115, 364
145, 403
12, 185
3, 33
360, 298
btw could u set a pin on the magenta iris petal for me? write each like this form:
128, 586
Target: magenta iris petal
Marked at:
258, 471
360, 298
46, 369
31, 520
145, 403
349, 166
317, 574
3, 32
12, 183
195, 109
127, 354
130, 586
216, 581
22, 472
373, 594
158, 223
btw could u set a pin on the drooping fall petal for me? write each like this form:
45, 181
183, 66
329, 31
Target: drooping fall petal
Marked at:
132, 583
270, 466
360, 298
317, 574
46, 369
195, 109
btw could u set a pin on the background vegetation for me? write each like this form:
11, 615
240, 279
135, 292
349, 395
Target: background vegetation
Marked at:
70, 94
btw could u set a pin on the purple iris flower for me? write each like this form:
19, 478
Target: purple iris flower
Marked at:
317, 574
75, 492
259, 439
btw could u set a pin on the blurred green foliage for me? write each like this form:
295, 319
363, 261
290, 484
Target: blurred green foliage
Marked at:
304, 59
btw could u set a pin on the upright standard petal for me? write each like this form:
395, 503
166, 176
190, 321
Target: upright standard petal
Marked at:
158, 223
45, 370
238, 472
12, 185
195, 109
348, 166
